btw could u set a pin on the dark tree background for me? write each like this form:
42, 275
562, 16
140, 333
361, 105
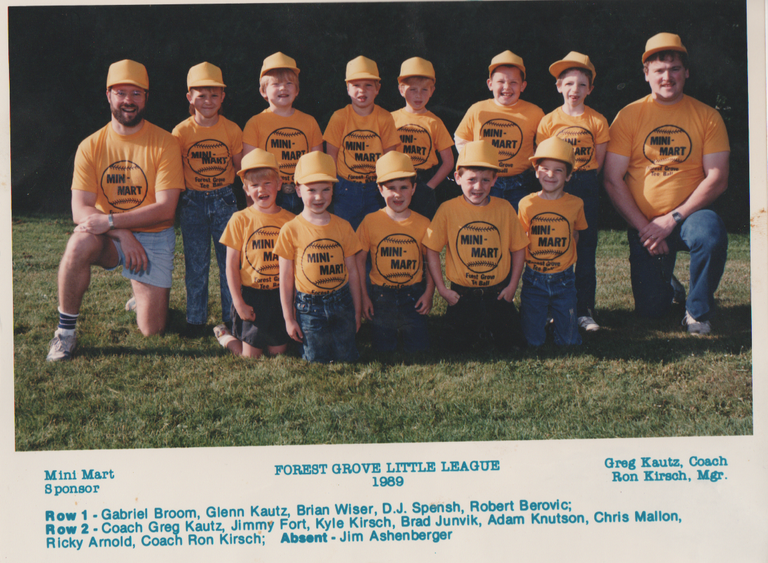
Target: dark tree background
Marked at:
59, 58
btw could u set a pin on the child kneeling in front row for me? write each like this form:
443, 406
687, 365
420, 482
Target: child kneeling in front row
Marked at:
552, 219
484, 256
252, 267
317, 253
401, 289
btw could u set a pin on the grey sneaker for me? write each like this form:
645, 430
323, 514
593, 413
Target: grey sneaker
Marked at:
679, 295
62, 346
588, 323
696, 328
130, 305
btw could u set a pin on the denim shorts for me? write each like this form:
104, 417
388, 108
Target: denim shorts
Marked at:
328, 323
159, 248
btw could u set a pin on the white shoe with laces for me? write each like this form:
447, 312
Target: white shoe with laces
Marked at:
62, 346
588, 323
696, 328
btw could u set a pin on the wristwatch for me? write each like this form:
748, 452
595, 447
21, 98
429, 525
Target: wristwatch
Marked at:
111, 221
677, 217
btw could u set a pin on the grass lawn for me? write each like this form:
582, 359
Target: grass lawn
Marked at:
634, 378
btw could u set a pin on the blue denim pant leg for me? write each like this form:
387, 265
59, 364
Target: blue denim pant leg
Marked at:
703, 235
328, 324
554, 294
424, 201
290, 202
586, 186
395, 310
515, 188
352, 201
203, 216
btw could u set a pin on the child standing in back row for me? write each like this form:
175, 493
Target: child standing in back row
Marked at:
356, 137
281, 129
422, 133
211, 150
587, 131
552, 219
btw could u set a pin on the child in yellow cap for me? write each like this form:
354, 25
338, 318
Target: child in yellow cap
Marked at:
587, 131
317, 257
552, 219
356, 136
281, 129
252, 267
401, 288
509, 124
484, 255
422, 133
211, 150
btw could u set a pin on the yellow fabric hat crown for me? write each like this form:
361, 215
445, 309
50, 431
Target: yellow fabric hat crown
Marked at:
362, 68
394, 165
507, 58
128, 72
556, 149
663, 42
416, 66
572, 60
205, 75
315, 167
257, 158
278, 60
479, 153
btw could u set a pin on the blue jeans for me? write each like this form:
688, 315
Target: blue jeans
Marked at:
290, 202
394, 309
703, 235
586, 186
549, 294
515, 188
204, 215
328, 324
352, 201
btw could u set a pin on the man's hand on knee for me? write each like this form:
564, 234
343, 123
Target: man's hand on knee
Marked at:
135, 256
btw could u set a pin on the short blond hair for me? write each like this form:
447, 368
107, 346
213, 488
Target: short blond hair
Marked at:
255, 174
460, 170
280, 75
417, 80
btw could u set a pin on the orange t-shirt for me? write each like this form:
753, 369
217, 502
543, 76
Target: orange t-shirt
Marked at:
423, 136
206, 152
584, 132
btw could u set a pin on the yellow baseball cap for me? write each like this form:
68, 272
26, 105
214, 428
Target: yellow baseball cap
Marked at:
128, 72
556, 149
416, 66
278, 60
257, 158
362, 68
479, 153
205, 75
315, 167
663, 42
507, 58
572, 60
394, 165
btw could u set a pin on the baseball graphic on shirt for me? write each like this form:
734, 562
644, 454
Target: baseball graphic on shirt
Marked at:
583, 144
124, 184
550, 236
478, 245
667, 144
259, 251
323, 264
417, 143
288, 145
208, 158
398, 258
505, 135
362, 148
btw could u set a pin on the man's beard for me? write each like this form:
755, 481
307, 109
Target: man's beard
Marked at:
125, 121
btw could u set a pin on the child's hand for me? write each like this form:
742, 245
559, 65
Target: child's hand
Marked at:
358, 323
367, 308
293, 330
507, 294
451, 297
424, 304
245, 311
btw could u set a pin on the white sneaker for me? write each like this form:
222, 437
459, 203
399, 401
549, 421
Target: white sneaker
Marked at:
696, 328
62, 346
223, 335
130, 305
588, 323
